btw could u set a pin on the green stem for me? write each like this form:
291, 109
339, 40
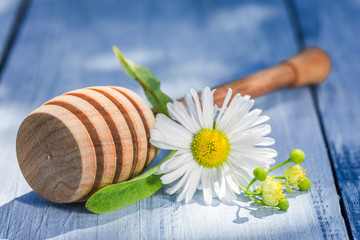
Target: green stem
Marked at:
279, 165
279, 177
254, 193
242, 188
270, 170
248, 194
250, 183
257, 201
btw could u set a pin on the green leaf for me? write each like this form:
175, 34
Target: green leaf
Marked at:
119, 195
147, 80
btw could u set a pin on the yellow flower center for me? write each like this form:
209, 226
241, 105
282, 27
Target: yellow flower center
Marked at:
210, 147
277, 190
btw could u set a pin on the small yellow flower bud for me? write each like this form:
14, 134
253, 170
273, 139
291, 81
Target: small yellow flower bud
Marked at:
271, 191
294, 175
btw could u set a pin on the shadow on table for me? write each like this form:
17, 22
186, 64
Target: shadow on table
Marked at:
255, 210
32, 217
258, 211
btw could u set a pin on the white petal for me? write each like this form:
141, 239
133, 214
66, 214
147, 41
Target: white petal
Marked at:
254, 152
226, 194
165, 125
216, 183
187, 184
239, 124
206, 186
266, 141
160, 141
223, 119
180, 183
239, 165
179, 113
260, 130
207, 107
252, 137
176, 161
225, 103
250, 161
222, 189
229, 196
232, 184
242, 180
242, 170
191, 108
174, 175
236, 111
198, 107
249, 141
194, 180
168, 134
261, 119
182, 194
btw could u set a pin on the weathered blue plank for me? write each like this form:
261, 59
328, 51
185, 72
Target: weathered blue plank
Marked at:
336, 27
66, 44
8, 11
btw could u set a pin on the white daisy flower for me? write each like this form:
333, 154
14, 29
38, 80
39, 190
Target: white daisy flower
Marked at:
217, 149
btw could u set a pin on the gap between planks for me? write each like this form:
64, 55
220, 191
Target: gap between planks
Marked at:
294, 18
14, 31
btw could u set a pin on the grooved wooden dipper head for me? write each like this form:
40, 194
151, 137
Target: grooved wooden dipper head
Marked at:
83, 140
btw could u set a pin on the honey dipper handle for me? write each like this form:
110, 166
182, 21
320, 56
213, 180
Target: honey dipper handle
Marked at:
311, 66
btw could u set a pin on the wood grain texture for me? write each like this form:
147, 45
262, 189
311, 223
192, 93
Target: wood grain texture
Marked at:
311, 66
109, 127
147, 117
66, 45
335, 27
50, 146
118, 128
135, 124
100, 134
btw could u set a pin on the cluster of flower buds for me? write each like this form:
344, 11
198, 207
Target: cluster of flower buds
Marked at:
271, 188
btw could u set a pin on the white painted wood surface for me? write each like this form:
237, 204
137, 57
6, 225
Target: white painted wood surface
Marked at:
65, 45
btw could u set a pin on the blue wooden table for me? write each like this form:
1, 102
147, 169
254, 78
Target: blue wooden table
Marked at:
48, 47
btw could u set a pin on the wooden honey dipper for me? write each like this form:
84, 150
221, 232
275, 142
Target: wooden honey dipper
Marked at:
86, 139
83, 140
311, 66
